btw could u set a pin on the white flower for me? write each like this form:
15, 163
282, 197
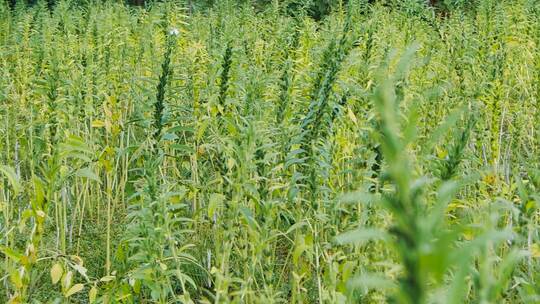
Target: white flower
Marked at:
174, 32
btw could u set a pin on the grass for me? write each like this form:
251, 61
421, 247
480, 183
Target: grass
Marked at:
382, 154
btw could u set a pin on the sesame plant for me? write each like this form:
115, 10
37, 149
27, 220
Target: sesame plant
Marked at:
269, 151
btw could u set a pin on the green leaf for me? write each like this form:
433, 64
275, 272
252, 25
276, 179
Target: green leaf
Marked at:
506, 268
185, 278
202, 129
180, 129
361, 235
182, 148
296, 226
169, 136
215, 202
442, 128
39, 194
458, 286
492, 236
358, 197
445, 193
248, 215
87, 173
11, 253
75, 147
371, 281
12, 178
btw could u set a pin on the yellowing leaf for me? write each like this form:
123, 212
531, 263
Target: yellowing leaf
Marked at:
40, 213
535, 250
15, 299
441, 153
490, 179
74, 289
200, 150
468, 234
530, 205
77, 259
15, 277
92, 294
107, 278
230, 163
56, 273
67, 280
98, 124
351, 115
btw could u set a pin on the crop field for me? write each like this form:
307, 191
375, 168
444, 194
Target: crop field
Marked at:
270, 151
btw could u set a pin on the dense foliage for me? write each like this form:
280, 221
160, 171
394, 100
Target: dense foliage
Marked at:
377, 152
